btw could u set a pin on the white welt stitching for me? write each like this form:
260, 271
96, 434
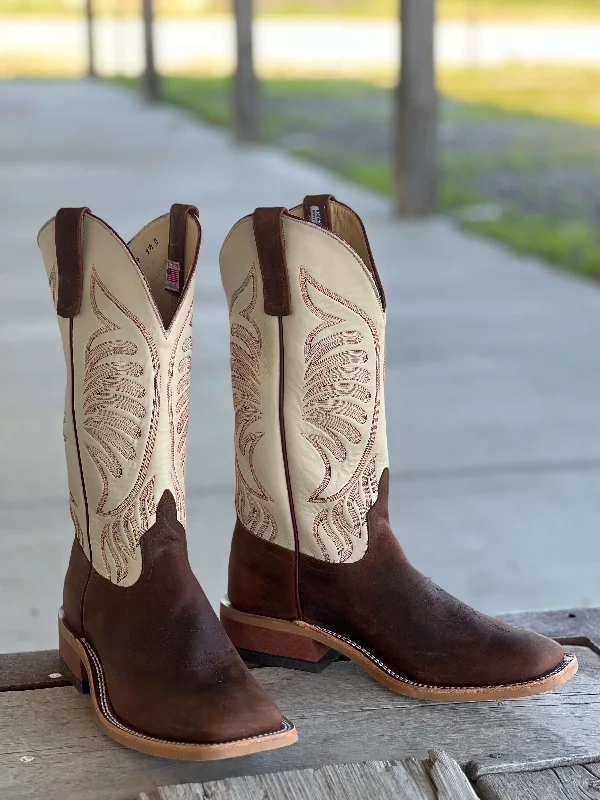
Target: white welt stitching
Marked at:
567, 660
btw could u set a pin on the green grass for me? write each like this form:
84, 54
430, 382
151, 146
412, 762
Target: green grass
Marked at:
375, 175
209, 98
564, 92
568, 93
570, 244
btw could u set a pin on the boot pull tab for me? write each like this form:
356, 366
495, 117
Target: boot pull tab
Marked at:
176, 253
270, 244
317, 209
68, 240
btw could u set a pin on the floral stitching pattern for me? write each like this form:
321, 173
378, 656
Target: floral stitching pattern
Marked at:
340, 396
246, 347
179, 404
53, 281
120, 538
114, 404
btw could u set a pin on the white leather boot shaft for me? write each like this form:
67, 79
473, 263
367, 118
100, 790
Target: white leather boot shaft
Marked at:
127, 396
308, 391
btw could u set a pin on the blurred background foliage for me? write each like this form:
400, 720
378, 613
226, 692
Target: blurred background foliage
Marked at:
519, 140
459, 9
520, 148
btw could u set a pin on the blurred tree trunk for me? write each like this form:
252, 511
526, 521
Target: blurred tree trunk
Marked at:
89, 20
150, 78
416, 112
246, 115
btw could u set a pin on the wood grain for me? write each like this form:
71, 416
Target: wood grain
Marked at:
19, 671
342, 716
449, 779
385, 780
565, 783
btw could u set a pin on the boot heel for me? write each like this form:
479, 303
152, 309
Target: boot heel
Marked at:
272, 648
74, 668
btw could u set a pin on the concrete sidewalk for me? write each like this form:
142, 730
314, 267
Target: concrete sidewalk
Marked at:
493, 365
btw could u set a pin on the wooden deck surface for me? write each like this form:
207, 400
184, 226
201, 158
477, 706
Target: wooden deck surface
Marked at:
540, 747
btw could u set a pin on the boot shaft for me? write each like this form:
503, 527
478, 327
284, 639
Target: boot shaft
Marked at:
307, 317
125, 314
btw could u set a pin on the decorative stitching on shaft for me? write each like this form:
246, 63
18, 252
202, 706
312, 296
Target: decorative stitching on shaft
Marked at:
112, 395
246, 350
338, 403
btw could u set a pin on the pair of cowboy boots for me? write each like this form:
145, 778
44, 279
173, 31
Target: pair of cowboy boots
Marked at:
315, 570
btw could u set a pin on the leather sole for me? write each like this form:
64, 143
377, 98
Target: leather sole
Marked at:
84, 669
260, 639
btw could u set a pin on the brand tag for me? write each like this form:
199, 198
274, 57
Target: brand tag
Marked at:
315, 215
172, 282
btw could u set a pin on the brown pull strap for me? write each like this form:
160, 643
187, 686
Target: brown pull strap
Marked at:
268, 233
176, 253
68, 239
317, 209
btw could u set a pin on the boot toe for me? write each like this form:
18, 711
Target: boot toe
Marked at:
213, 714
243, 714
531, 657
508, 655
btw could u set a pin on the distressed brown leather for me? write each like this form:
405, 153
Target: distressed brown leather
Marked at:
76, 579
268, 234
170, 670
384, 604
68, 239
261, 579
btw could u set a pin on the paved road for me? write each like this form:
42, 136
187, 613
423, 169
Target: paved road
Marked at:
288, 45
493, 365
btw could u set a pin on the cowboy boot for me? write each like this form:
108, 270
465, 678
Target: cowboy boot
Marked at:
136, 629
315, 569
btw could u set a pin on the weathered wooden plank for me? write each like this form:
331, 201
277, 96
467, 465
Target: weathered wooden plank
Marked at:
439, 778
565, 783
418, 772
385, 780
416, 111
547, 739
342, 715
246, 96
41, 670
449, 779
476, 768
